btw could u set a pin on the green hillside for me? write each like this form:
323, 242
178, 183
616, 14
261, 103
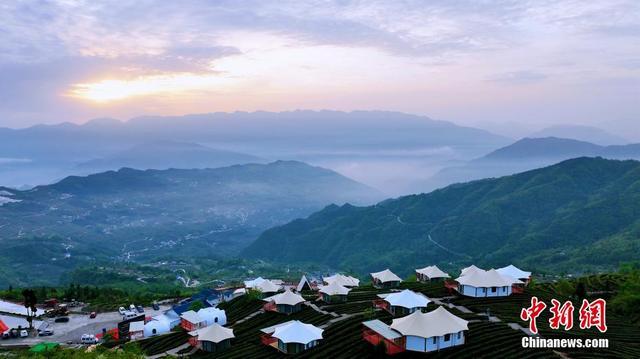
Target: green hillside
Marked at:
579, 215
134, 215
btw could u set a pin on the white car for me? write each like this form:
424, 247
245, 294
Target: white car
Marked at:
24, 334
129, 315
122, 311
132, 308
88, 339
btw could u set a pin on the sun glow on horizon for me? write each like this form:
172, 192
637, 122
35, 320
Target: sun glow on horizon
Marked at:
110, 90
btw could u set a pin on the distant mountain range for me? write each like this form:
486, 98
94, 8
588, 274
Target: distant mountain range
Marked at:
45, 153
168, 154
527, 154
581, 214
132, 215
581, 133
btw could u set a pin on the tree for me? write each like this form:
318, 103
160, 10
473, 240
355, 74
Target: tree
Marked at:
196, 306
581, 290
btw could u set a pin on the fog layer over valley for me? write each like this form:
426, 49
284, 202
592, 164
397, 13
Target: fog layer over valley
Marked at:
387, 150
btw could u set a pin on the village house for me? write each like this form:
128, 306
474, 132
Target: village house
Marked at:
430, 273
291, 337
343, 280
212, 339
385, 279
481, 283
136, 330
333, 293
420, 332
402, 303
191, 321
286, 302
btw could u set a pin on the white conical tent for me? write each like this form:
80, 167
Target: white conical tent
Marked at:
386, 276
303, 281
470, 269
267, 286
513, 272
334, 289
343, 280
214, 333
490, 278
297, 332
253, 283
285, 298
432, 272
432, 324
406, 299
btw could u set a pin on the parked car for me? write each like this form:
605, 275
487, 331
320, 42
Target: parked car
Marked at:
88, 339
155, 306
140, 309
6, 334
92, 315
45, 332
24, 333
129, 315
132, 308
61, 320
122, 311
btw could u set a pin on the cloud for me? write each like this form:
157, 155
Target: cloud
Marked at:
518, 77
273, 51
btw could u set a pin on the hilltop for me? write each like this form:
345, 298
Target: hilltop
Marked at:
527, 154
581, 214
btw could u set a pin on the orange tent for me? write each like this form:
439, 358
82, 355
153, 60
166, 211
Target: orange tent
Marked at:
3, 327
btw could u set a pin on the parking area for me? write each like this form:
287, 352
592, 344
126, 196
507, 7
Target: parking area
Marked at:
79, 324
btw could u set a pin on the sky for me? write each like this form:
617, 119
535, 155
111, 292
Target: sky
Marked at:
508, 66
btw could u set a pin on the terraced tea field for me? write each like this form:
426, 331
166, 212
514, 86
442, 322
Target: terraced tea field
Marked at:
485, 339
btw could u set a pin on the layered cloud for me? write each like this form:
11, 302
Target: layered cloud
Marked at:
69, 60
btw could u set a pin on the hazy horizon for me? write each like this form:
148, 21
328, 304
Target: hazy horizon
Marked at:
510, 67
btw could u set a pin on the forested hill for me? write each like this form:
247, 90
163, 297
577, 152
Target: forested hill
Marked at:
133, 215
578, 215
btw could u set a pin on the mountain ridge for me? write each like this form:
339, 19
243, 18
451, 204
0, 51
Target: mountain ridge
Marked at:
142, 215
576, 215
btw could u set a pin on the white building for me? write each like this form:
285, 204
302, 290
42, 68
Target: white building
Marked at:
333, 292
420, 332
213, 315
303, 284
385, 279
343, 280
158, 325
515, 273
429, 273
136, 330
470, 269
402, 303
263, 285
286, 302
212, 339
292, 337
480, 283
